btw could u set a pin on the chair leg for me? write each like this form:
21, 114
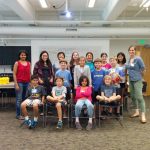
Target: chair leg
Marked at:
44, 116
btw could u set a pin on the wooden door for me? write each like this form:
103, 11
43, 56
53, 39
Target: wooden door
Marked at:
145, 54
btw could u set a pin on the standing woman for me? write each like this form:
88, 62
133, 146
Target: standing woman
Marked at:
121, 60
43, 68
73, 62
21, 75
105, 65
136, 69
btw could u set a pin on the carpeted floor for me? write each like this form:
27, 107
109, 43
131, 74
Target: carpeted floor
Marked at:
111, 136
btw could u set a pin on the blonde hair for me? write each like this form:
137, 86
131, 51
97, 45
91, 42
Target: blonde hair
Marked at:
114, 58
107, 76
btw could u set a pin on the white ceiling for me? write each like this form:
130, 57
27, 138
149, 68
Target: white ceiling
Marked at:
106, 13
79, 10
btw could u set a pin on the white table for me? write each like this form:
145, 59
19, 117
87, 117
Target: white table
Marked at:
7, 86
4, 93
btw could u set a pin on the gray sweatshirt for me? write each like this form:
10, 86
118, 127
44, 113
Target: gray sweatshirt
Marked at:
79, 71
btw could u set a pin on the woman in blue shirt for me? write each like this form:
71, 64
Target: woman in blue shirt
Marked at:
136, 67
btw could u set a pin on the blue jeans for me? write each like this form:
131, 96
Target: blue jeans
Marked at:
79, 105
20, 96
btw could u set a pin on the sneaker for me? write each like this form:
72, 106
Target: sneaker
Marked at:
27, 123
109, 114
41, 114
34, 123
59, 125
89, 126
78, 126
118, 115
20, 117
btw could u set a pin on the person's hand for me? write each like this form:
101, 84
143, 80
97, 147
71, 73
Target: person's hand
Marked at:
107, 99
56, 99
60, 100
51, 80
41, 81
17, 87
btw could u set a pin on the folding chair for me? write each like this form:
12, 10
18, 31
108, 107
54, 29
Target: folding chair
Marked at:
105, 114
83, 115
51, 111
41, 107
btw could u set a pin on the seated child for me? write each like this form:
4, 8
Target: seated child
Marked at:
108, 93
35, 97
83, 97
97, 76
59, 98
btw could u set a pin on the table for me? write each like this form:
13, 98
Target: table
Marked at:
4, 89
7, 86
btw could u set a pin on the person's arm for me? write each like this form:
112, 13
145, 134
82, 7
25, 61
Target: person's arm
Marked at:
27, 93
88, 92
35, 69
78, 94
70, 79
141, 65
43, 99
89, 76
53, 92
51, 75
103, 95
35, 72
14, 75
75, 77
114, 94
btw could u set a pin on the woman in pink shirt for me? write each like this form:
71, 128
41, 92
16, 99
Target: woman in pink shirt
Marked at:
105, 65
83, 97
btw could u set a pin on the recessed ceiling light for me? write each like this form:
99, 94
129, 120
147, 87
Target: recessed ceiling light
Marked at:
147, 4
43, 3
91, 3
68, 14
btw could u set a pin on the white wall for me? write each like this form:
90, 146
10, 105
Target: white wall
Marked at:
112, 47
122, 45
53, 46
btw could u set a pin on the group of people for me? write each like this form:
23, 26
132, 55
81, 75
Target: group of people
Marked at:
84, 79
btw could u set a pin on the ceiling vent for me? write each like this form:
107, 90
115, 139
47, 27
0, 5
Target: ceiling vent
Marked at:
72, 29
106, 25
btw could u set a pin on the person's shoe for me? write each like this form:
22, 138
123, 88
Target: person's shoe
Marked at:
20, 117
41, 114
27, 123
89, 126
136, 114
118, 115
78, 126
34, 124
143, 118
109, 114
59, 125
